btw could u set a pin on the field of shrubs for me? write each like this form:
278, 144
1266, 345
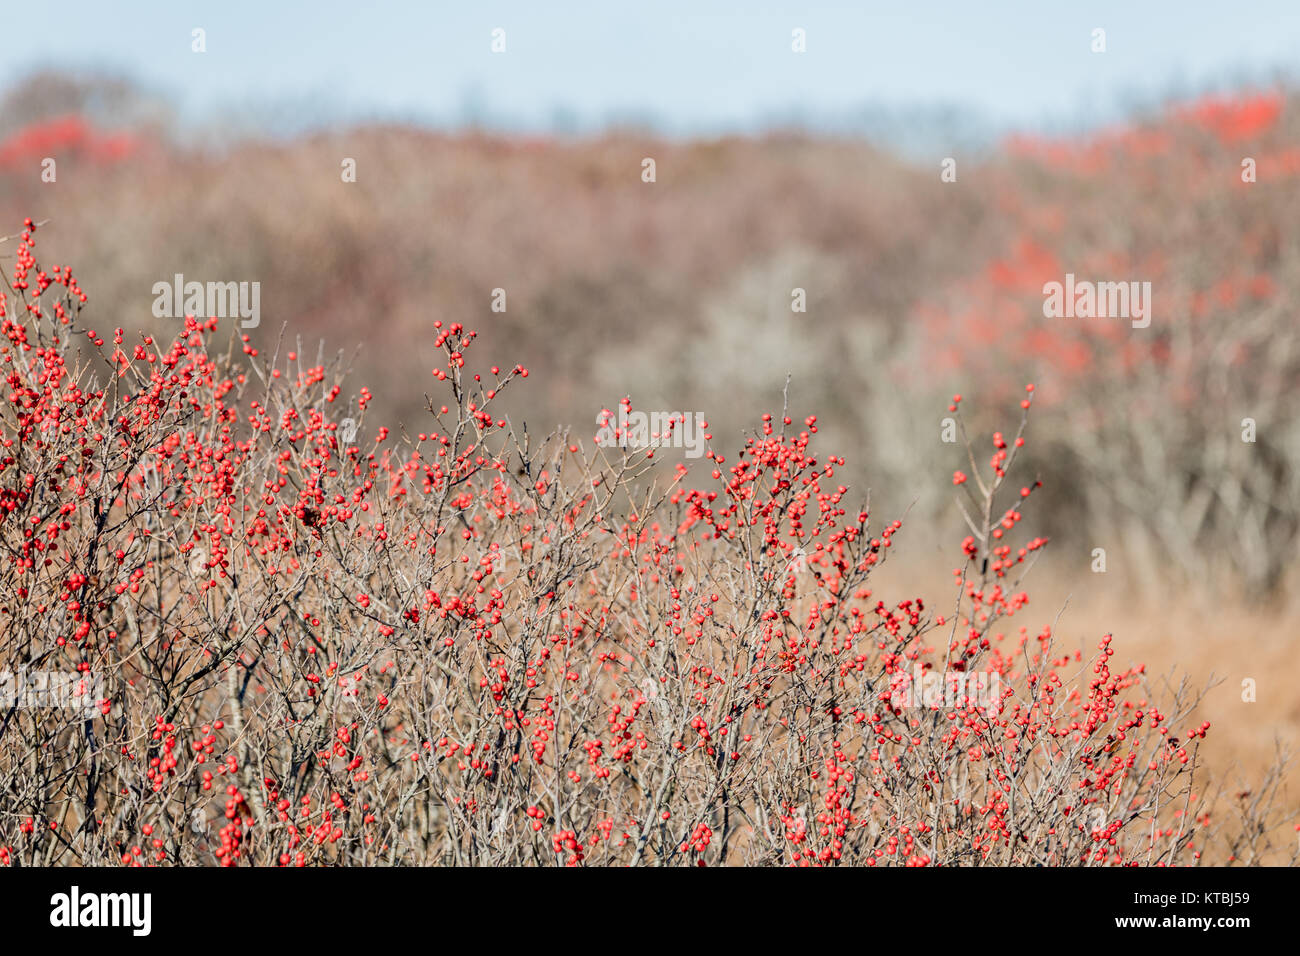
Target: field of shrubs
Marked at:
270, 602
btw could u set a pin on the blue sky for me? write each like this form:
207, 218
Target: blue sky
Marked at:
689, 65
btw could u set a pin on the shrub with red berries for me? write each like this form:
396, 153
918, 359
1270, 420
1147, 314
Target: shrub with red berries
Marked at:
469, 645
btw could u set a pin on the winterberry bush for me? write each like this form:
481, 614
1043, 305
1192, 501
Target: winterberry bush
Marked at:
1157, 422
472, 645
